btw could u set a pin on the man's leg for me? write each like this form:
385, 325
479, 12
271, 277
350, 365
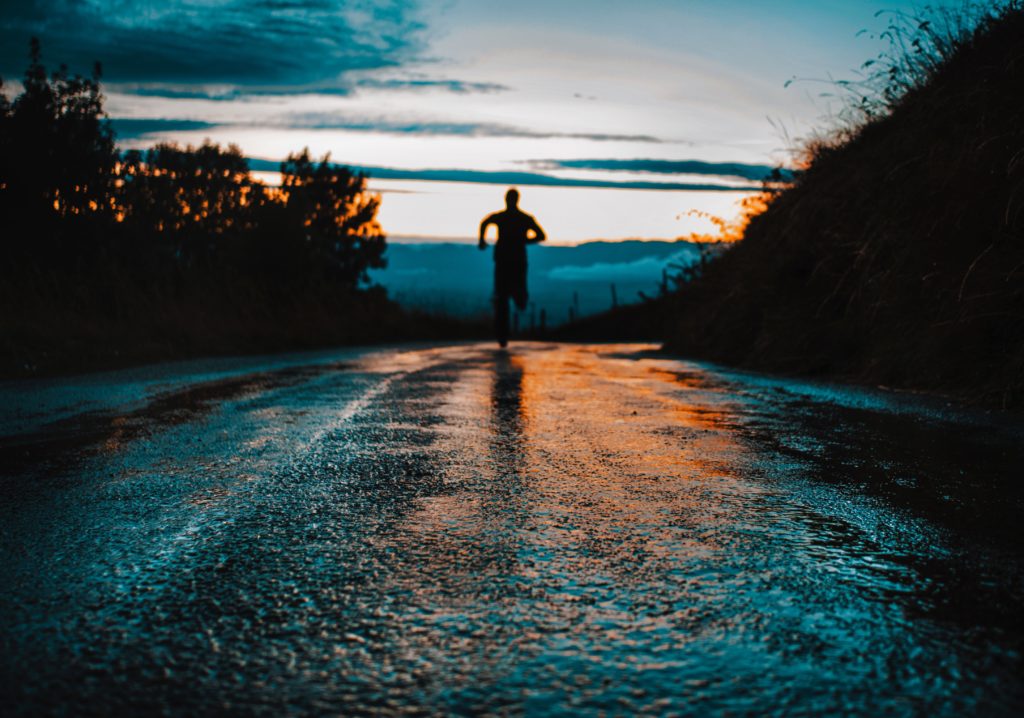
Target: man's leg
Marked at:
509, 283
517, 286
518, 291
501, 318
520, 297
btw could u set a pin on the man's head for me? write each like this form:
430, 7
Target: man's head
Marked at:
512, 198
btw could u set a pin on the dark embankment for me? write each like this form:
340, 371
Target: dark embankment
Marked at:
644, 322
74, 326
897, 258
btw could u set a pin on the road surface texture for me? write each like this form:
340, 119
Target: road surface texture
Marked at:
551, 530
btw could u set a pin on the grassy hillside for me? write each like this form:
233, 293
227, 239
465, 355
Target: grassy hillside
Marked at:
897, 257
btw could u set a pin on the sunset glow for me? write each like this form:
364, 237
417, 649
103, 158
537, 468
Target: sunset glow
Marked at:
651, 92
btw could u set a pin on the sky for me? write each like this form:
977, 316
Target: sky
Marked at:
637, 118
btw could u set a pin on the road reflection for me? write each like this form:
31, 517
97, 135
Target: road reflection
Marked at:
552, 529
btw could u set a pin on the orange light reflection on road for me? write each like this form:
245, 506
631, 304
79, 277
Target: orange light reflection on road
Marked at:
623, 485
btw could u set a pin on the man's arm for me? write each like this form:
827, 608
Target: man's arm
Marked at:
488, 220
538, 233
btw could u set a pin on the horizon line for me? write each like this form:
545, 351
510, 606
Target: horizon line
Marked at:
418, 239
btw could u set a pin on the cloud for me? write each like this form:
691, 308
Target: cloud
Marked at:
459, 87
134, 128
637, 270
126, 127
333, 121
341, 86
663, 167
178, 92
249, 43
508, 178
391, 126
226, 93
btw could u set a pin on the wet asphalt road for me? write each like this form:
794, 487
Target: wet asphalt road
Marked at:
552, 530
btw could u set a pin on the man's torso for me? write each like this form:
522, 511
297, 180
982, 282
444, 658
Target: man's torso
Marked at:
513, 226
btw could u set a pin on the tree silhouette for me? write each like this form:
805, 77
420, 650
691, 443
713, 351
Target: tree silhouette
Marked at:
57, 160
193, 205
178, 240
69, 194
337, 216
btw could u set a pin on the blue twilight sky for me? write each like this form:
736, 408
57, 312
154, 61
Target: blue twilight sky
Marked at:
624, 94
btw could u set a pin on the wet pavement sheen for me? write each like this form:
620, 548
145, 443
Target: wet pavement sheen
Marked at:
551, 530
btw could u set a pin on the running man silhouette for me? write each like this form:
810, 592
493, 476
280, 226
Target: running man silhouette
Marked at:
514, 228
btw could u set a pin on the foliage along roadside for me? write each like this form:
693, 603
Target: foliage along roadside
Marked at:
109, 257
897, 256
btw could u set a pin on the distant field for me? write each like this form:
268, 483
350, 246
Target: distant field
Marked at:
456, 278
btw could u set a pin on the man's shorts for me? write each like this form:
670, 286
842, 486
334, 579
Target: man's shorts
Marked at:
510, 282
